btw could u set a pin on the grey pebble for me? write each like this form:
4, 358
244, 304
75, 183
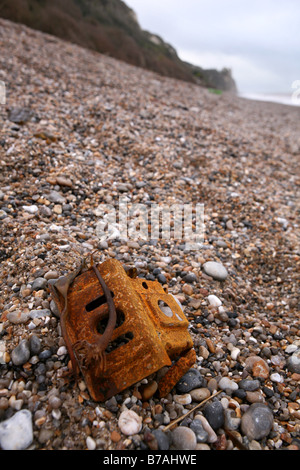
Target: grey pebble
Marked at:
34, 344
162, 438
190, 278
39, 283
183, 438
257, 421
44, 312
21, 353
192, 379
44, 355
215, 270
293, 362
249, 385
214, 413
197, 427
56, 197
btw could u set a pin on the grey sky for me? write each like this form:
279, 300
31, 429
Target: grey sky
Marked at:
258, 40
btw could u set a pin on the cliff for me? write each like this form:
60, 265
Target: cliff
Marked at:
109, 27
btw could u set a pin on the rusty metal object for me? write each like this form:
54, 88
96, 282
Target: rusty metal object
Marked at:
148, 331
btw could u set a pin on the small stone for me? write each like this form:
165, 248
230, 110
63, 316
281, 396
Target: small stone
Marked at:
191, 380
255, 397
34, 344
90, 443
45, 211
162, 439
227, 384
214, 301
57, 209
212, 437
62, 351
249, 385
293, 362
162, 278
190, 278
129, 422
44, 312
51, 275
200, 394
183, 438
39, 283
203, 352
185, 399
21, 353
55, 402
234, 353
197, 426
215, 270
257, 421
16, 432
18, 316
257, 366
231, 421
115, 436
63, 181
31, 209
56, 197
187, 289
147, 391
214, 413
277, 377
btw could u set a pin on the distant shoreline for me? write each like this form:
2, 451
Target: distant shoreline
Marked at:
281, 98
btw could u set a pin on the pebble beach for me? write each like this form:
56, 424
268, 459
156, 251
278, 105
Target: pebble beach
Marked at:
80, 129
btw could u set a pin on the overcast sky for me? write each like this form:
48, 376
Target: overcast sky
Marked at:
258, 39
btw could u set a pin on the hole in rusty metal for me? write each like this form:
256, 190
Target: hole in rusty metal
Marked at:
96, 303
166, 310
120, 341
101, 326
145, 285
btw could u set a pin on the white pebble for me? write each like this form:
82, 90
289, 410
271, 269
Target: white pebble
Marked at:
90, 443
31, 209
16, 432
214, 301
228, 384
234, 353
129, 422
291, 348
276, 377
62, 350
185, 399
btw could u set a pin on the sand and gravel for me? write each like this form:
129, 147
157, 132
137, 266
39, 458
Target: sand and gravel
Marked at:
78, 130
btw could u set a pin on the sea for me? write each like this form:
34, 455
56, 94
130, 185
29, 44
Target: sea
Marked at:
283, 98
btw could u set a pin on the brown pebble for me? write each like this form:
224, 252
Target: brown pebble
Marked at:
210, 345
147, 390
187, 289
115, 436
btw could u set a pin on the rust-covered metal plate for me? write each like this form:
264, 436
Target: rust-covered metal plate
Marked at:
149, 333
